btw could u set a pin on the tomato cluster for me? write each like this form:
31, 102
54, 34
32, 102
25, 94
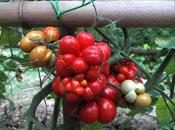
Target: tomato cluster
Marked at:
82, 74
33, 43
126, 69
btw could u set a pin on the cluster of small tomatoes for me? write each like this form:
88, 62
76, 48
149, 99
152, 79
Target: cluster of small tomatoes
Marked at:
82, 75
84, 78
34, 42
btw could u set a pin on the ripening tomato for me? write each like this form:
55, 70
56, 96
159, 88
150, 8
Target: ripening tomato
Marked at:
79, 66
110, 93
105, 48
26, 44
89, 112
68, 59
88, 94
36, 36
55, 84
107, 110
69, 45
93, 73
92, 55
121, 77
85, 39
123, 70
51, 34
40, 56
72, 98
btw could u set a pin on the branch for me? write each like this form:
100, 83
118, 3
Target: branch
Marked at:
141, 51
35, 102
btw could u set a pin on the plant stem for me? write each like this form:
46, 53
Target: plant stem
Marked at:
152, 82
35, 102
55, 114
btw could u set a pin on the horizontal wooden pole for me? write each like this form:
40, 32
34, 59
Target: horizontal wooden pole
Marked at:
128, 13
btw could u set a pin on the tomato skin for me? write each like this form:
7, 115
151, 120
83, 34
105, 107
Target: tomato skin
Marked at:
96, 87
110, 93
121, 77
26, 44
123, 70
89, 112
79, 91
36, 36
113, 80
93, 73
88, 94
105, 48
55, 84
62, 69
51, 33
131, 74
92, 55
68, 59
40, 56
105, 68
68, 87
85, 39
69, 45
61, 89
72, 98
79, 66
107, 110
116, 67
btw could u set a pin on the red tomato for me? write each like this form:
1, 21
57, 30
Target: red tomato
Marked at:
85, 39
79, 66
102, 80
105, 68
68, 59
66, 80
123, 70
79, 77
96, 87
116, 67
121, 77
69, 45
75, 84
113, 80
72, 98
68, 87
92, 55
93, 73
62, 69
107, 110
51, 34
110, 93
123, 62
71, 108
61, 89
55, 84
131, 74
79, 91
89, 112
88, 94
105, 49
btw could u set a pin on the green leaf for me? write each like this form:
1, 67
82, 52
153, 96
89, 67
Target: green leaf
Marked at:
162, 111
2, 90
166, 42
3, 77
170, 69
10, 65
9, 36
94, 126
